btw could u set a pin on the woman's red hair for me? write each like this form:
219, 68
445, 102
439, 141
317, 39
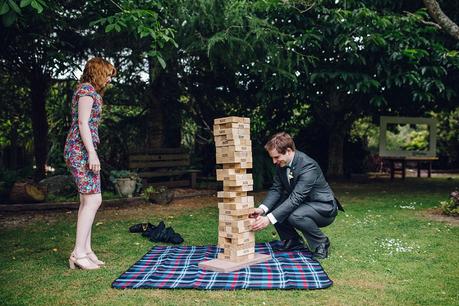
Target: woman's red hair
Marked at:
96, 72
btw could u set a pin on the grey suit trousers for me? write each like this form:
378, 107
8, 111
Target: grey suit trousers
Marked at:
307, 220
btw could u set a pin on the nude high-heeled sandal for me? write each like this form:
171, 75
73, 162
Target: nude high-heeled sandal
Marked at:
77, 262
92, 256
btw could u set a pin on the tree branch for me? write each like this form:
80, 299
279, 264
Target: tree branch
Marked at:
440, 17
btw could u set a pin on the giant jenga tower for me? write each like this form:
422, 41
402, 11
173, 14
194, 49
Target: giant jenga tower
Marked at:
234, 152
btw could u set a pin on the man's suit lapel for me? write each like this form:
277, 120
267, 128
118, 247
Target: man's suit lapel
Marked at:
294, 171
283, 175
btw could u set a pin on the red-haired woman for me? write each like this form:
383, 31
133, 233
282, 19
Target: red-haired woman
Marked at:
81, 156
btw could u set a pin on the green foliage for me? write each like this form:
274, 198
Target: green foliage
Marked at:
116, 174
451, 206
367, 131
289, 65
448, 137
106, 195
145, 23
10, 10
406, 137
150, 190
58, 108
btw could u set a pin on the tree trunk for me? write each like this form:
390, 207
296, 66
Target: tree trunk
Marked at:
336, 153
170, 106
155, 132
39, 87
336, 127
164, 121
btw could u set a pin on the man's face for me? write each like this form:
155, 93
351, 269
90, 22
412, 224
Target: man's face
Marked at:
281, 160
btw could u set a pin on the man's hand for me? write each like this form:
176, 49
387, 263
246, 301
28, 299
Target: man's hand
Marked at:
260, 223
256, 212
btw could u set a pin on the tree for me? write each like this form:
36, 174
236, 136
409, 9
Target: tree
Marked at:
348, 60
39, 46
146, 22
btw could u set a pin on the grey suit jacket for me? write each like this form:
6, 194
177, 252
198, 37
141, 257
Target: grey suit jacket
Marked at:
307, 187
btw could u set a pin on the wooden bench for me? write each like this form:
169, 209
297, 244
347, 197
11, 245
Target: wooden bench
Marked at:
164, 167
402, 161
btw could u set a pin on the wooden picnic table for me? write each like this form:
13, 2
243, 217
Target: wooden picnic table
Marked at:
403, 160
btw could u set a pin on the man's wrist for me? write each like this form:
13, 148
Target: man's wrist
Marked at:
264, 208
272, 219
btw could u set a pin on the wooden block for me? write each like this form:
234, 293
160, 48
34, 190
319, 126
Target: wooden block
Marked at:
239, 236
233, 227
234, 207
223, 241
238, 188
233, 230
224, 265
242, 148
229, 222
232, 218
234, 160
231, 194
239, 252
233, 174
231, 119
236, 212
234, 258
233, 154
232, 247
232, 125
223, 142
229, 183
221, 138
239, 199
232, 133
223, 150
238, 166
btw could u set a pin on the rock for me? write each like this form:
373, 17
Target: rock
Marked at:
59, 185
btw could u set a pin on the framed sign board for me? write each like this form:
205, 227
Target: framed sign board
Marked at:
407, 137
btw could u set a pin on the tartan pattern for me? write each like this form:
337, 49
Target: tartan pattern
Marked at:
169, 267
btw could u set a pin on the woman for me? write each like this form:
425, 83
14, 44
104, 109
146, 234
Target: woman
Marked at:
80, 155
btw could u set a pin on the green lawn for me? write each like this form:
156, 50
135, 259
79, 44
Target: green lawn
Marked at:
385, 251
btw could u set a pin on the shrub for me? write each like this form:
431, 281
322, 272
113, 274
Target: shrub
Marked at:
451, 207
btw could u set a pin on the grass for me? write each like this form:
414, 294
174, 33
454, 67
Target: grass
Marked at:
385, 251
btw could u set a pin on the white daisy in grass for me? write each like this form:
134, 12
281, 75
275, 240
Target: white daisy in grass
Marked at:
393, 246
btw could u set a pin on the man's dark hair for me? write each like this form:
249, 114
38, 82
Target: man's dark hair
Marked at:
281, 142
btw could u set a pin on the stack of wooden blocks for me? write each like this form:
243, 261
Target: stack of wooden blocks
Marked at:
234, 153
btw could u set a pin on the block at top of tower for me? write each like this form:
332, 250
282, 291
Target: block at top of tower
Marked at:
231, 119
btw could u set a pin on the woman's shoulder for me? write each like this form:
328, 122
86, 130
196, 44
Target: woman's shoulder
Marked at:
86, 89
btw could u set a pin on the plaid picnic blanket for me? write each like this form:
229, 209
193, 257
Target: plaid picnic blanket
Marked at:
169, 267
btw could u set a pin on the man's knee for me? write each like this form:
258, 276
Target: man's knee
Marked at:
301, 221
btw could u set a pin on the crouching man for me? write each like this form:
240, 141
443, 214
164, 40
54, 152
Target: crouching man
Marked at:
299, 199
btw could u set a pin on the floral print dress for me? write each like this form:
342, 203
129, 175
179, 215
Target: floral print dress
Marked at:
75, 153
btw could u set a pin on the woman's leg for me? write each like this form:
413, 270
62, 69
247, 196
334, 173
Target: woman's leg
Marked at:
89, 250
88, 238
86, 215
